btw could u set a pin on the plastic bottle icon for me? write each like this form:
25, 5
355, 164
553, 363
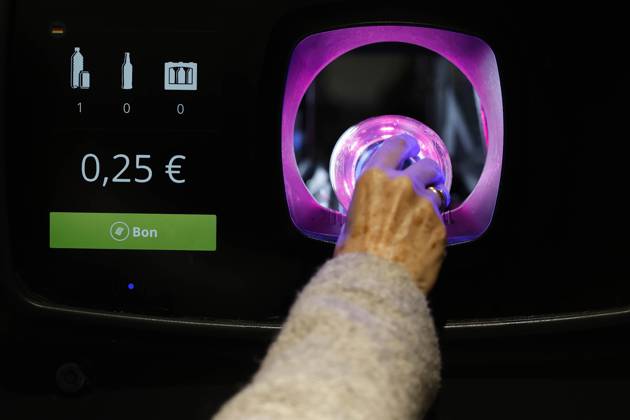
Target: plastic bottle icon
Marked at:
171, 76
79, 78
76, 67
127, 72
181, 76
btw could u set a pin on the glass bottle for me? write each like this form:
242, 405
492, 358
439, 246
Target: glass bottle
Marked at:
127, 72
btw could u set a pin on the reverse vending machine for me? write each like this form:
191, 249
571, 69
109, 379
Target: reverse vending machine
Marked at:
190, 168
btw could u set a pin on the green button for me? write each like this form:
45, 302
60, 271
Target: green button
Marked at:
171, 232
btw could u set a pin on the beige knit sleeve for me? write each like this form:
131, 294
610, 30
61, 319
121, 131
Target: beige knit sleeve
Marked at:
359, 343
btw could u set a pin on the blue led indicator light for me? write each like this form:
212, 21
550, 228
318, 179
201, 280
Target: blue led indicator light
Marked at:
131, 286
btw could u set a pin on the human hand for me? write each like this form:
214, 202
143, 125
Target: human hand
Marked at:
393, 214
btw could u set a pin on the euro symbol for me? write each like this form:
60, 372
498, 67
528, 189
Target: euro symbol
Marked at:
172, 169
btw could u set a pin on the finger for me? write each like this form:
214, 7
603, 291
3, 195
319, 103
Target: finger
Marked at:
393, 152
425, 172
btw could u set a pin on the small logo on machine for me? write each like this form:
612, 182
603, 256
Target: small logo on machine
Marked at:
180, 76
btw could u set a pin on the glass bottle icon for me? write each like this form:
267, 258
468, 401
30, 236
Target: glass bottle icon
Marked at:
76, 67
127, 72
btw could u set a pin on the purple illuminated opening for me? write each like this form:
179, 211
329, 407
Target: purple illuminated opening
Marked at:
471, 55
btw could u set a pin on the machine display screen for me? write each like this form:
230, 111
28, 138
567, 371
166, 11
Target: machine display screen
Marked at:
118, 180
138, 177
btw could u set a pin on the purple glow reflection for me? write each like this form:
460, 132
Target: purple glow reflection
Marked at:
362, 139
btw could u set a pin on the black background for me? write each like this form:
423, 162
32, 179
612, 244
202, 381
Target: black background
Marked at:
555, 245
